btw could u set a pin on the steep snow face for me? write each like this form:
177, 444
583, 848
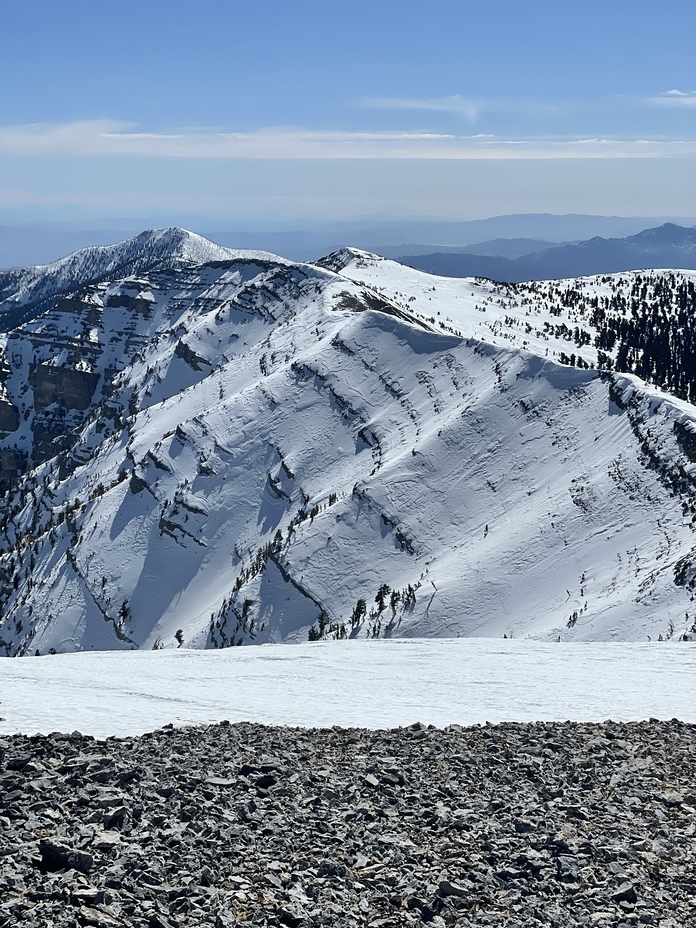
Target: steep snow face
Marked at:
24, 289
273, 451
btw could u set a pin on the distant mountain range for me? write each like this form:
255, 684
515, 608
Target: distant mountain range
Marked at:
497, 247
668, 245
26, 243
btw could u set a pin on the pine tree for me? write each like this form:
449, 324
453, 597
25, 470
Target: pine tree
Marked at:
382, 594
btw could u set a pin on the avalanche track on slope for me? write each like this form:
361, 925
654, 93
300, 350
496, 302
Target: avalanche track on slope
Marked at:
273, 443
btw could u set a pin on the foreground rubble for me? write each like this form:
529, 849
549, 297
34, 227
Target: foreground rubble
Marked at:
553, 824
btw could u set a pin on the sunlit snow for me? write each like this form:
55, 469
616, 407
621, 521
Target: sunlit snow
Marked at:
373, 684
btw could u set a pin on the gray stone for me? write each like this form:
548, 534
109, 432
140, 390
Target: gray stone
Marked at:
200, 844
55, 856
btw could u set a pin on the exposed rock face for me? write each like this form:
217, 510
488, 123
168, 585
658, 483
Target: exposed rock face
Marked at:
58, 367
524, 825
195, 361
9, 418
12, 466
71, 389
133, 302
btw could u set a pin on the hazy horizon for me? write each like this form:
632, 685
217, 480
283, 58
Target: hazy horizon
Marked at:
25, 243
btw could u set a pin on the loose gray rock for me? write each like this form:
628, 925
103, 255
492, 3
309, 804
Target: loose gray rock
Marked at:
533, 825
59, 857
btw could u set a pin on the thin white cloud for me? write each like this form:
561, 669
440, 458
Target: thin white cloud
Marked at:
674, 98
469, 107
463, 106
110, 138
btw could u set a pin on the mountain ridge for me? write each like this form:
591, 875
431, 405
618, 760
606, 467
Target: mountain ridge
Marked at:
22, 244
251, 450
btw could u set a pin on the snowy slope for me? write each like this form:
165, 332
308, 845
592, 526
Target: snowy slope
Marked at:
266, 444
539, 316
370, 684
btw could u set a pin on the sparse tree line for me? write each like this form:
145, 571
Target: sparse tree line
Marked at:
221, 633
398, 602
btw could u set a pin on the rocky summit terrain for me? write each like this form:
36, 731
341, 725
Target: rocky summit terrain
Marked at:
553, 824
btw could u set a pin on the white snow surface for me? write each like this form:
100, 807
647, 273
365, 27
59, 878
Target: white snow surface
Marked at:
370, 684
522, 315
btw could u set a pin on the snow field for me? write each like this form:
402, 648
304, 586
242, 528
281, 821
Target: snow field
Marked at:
372, 684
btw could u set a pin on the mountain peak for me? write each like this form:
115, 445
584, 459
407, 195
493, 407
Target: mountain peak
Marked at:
669, 233
169, 243
176, 242
337, 261
24, 292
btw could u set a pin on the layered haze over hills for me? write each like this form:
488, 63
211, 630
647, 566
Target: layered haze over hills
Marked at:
668, 245
27, 243
210, 447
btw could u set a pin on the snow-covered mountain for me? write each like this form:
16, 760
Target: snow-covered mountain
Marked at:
231, 449
27, 289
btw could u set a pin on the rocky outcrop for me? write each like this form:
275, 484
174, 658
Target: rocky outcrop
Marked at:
134, 303
187, 354
9, 418
12, 465
71, 389
559, 824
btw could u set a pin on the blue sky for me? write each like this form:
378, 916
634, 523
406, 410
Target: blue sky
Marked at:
278, 110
